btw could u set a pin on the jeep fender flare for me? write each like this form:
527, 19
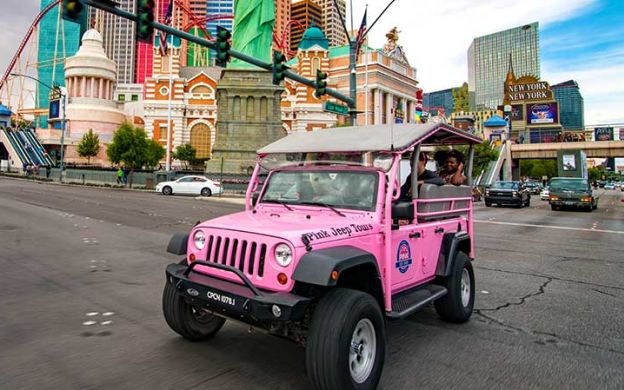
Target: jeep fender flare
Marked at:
316, 267
178, 243
451, 244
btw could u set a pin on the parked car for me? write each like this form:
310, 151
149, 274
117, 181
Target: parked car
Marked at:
196, 185
609, 186
325, 254
571, 192
545, 194
507, 193
533, 187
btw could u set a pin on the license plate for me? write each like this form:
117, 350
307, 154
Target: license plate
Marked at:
568, 203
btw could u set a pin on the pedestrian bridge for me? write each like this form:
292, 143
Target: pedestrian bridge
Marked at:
598, 149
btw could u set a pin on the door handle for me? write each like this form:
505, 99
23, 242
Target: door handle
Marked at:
439, 230
414, 235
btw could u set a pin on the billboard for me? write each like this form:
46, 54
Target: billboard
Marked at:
569, 162
622, 134
603, 133
517, 114
542, 114
55, 109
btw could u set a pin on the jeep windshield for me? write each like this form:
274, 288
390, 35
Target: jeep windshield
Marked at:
558, 185
506, 185
345, 189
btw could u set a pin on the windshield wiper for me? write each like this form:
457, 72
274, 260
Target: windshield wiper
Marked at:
332, 208
280, 202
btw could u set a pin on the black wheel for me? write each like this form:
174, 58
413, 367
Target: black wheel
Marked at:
191, 323
595, 206
167, 190
456, 305
553, 207
206, 192
528, 202
346, 344
488, 204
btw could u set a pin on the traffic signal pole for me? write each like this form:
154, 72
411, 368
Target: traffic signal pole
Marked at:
204, 42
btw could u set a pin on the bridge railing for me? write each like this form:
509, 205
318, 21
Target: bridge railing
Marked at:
541, 136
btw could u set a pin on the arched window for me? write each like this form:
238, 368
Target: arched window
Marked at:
200, 140
201, 91
316, 65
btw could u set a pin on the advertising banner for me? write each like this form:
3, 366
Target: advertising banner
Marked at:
542, 113
569, 162
622, 134
517, 114
603, 133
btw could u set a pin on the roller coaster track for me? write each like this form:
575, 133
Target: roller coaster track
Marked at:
22, 45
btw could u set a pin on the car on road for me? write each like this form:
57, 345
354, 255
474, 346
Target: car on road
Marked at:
507, 193
328, 250
609, 186
571, 192
545, 194
533, 187
190, 185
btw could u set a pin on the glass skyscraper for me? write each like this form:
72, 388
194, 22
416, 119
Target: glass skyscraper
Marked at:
433, 100
571, 106
58, 39
488, 63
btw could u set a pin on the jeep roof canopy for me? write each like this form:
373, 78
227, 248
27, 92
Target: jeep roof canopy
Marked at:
374, 138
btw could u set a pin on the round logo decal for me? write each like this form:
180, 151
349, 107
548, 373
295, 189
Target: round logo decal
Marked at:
404, 257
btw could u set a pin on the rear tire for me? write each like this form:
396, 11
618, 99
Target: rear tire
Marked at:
346, 344
206, 192
191, 323
167, 190
456, 306
553, 207
488, 204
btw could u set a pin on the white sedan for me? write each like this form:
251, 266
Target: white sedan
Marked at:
196, 185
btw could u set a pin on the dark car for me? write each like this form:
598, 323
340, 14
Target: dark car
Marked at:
507, 193
571, 192
533, 187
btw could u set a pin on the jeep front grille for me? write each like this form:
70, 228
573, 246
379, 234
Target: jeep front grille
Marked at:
246, 255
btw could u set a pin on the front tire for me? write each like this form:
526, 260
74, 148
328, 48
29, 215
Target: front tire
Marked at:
167, 190
189, 322
488, 204
346, 344
456, 306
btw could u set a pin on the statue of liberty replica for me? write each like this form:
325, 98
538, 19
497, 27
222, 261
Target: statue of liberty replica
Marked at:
248, 104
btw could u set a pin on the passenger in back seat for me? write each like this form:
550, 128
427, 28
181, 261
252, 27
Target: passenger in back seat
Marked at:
425, 176
453, 167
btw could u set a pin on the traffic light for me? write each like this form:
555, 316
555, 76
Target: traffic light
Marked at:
279, 67
145, 14
72, 10
321, 84
223, 46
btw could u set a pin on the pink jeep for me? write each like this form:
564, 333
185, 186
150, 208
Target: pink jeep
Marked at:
327, 249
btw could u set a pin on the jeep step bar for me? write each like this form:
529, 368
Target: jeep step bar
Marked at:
408, 302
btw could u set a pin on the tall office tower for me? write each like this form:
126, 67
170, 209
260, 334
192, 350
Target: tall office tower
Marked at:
58, 39
332, 26
308, 13
282, 17
219, 7
571, 105
119, 40
488, 63
433, 101
198, 8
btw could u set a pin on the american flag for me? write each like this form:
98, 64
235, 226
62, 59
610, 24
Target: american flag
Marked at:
360, 33
163, 35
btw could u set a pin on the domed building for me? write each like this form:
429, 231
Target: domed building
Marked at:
90, 80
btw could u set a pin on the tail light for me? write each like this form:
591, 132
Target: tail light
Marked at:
216, 184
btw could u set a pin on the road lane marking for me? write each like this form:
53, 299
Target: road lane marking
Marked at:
551, 227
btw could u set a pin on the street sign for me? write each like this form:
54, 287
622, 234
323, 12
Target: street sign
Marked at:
335, 108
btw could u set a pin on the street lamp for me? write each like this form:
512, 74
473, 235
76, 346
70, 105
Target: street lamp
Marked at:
507, 110
63, 97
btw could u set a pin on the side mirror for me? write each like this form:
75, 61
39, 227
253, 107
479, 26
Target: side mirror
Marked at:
403, 210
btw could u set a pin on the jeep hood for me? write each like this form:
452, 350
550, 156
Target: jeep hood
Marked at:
292, 226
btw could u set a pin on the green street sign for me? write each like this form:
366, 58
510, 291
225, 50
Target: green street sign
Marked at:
335, 108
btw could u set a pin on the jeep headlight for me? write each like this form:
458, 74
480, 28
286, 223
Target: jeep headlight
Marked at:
199, 239
514, 194
283, 255
487, 192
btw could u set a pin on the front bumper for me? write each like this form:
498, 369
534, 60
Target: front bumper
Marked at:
503, 200
241, 302
572, 203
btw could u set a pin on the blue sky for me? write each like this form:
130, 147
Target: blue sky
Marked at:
581, 40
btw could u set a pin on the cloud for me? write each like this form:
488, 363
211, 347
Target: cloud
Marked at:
14, 23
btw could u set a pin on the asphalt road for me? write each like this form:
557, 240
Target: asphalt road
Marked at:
83, 271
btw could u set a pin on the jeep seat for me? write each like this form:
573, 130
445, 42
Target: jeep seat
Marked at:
432, 191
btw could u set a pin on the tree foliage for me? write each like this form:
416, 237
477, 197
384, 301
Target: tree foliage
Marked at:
460, 98
89, 145
536, 168
187, 154
131, 147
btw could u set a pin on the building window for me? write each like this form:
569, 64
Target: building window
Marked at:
135, 98
121, 97
164, 91
162, 136
200, 140
316, 65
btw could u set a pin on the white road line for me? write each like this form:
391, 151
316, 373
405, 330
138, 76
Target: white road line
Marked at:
552, 227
